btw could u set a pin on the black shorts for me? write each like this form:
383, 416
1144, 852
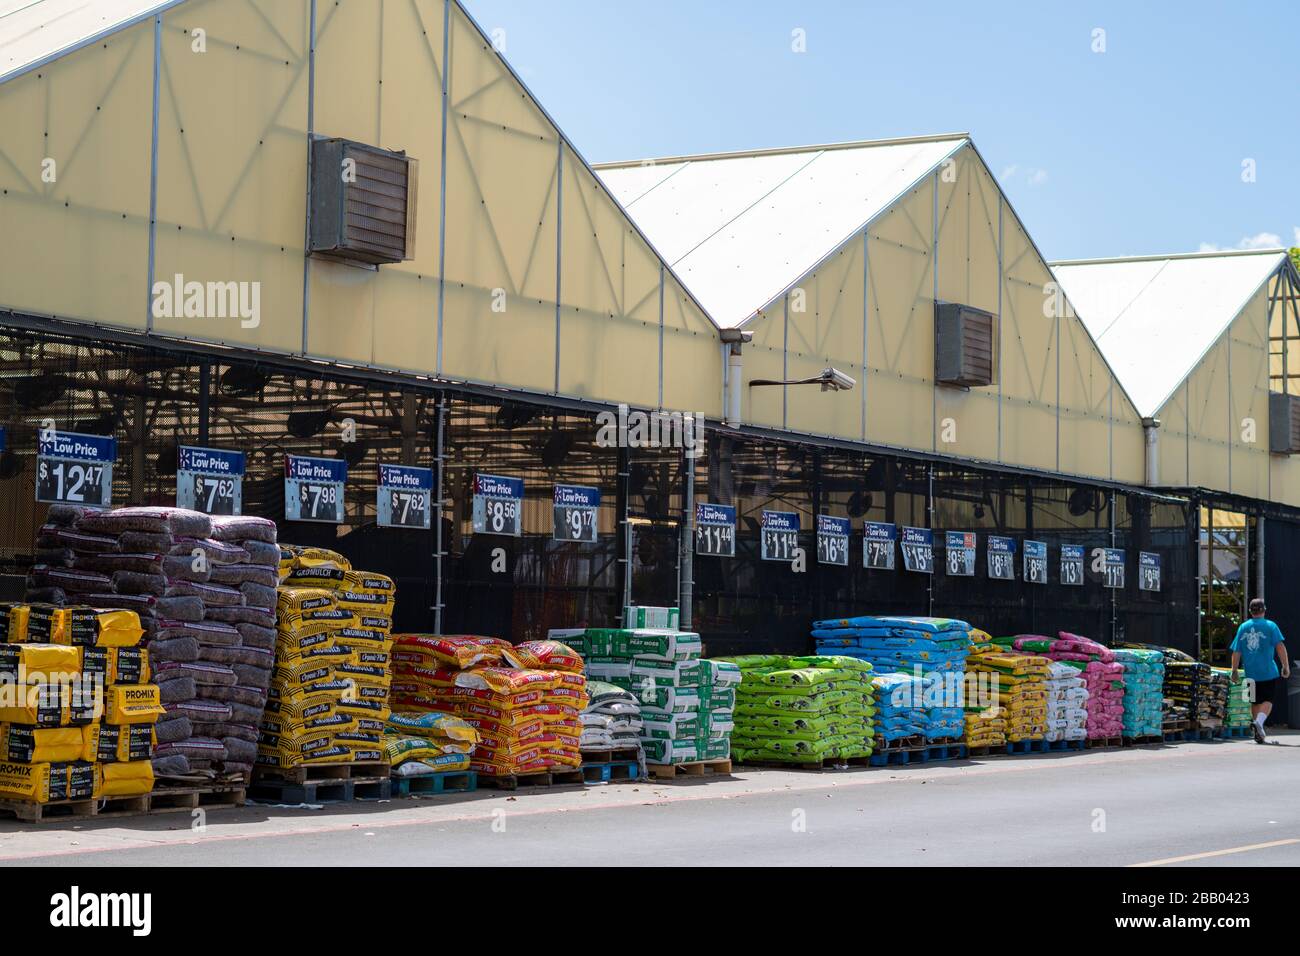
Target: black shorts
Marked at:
1264, 690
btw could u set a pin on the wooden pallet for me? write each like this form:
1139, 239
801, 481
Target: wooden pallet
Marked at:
568, 777
322, 783
166, 799
622, 755
312, 772
611, 772
432, 784
950, 748
1147, 740
1198, 732
694, 768
1104, 743
825, 763
57, 810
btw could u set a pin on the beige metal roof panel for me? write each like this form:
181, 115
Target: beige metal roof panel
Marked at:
1155, 317
740, 229
33, 32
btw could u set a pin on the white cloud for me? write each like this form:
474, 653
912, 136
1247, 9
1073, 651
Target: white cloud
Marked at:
1260, 240
1030, 174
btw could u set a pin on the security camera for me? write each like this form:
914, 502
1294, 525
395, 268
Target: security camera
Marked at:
833, 380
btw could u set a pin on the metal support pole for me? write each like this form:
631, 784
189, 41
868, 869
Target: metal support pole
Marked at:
929, 520
686, 548
137, 451
624, 527
1114, 609
439, 494
205, 398
1259, 557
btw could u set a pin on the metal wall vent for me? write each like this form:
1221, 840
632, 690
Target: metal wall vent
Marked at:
362, 203
963, 345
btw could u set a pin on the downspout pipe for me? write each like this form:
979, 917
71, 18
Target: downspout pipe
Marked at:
1151, 436
734, 340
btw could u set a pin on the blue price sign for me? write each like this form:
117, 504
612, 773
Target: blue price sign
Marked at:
878, 541
918, 550
715, 530
404, 496
575, 513
1113, 568
1002, 558
1148, 571
1072, 565
833, 540
498, 505
1036, 562
210, 480
313, 489
780, 536
75, 469
959, 549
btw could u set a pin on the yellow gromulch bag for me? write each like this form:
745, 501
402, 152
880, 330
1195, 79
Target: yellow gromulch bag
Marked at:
400, 748
127, 779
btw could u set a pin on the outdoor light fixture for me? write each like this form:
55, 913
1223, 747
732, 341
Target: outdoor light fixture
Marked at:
830, 379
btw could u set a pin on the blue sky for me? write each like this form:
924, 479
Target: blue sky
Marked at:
1137, 149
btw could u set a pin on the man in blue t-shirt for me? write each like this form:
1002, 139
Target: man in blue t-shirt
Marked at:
1259, 645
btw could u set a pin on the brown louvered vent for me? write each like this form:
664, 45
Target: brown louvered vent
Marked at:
1283, 423
362, 203
963, 345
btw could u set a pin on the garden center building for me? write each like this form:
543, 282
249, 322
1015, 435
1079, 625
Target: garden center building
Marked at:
346, 230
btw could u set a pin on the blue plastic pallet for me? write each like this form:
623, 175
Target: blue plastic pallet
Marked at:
899, 758
1063, 745
1236, 733
617, 770
448, 781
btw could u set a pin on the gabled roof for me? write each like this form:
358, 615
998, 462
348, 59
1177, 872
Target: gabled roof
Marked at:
1155, 317
33, 32
741, 228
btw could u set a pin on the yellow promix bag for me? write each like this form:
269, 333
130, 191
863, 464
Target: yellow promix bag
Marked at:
126, 779
132, 704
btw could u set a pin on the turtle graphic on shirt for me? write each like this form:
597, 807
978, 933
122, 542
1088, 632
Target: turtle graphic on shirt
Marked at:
1252, 641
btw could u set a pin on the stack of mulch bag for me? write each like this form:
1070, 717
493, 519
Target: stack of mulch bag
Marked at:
928, 644
1103, 676
985, 723
204, 591
1018, 681
421, 744
1238, 703
611, 719
1067, 703
79, 706
1144, 681
331, 687
802, 709
524, 701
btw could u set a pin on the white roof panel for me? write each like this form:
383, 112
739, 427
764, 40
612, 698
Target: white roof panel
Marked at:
739, 229
1154, 318
35, 31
